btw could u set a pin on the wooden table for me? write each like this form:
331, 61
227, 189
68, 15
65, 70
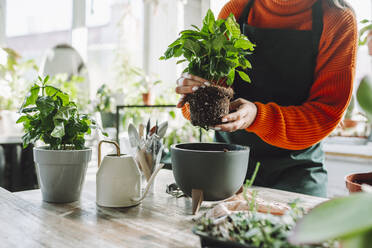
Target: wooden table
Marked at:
161, 220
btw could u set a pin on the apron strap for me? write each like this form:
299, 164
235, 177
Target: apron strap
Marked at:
317, 25
244, 15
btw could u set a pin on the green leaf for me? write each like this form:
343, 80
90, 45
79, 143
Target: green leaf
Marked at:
209, 21
195, 27
244, 44
364, 96
362, 31
339, 218
176, 43
364, 21
46, 79
233, 26
65, 113
181, 61
45, 105
24, 118
57, 93
231, 77
172, 114
192, 46
361, 241
244, 76
217, 43
29, 110
59, 130
31, 97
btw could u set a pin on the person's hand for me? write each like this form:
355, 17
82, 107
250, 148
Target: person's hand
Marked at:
187, 84
244, 115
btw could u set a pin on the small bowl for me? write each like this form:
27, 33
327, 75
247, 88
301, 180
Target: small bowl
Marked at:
217, 169
354, 181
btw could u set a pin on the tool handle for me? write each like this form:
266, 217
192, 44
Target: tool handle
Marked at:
110, 142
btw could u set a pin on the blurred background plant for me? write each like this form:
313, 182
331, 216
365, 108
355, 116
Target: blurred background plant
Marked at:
15, 78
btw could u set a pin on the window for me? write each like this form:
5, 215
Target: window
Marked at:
98, 12
24, 17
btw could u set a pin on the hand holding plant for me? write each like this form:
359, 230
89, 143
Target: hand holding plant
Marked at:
214, 53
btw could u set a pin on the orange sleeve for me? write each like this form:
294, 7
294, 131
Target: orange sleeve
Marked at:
298, 127
186, 111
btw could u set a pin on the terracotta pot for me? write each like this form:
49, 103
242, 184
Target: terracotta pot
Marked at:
348, 123
354, 181
146, 97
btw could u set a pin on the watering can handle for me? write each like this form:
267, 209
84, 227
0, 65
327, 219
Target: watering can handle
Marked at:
110, 142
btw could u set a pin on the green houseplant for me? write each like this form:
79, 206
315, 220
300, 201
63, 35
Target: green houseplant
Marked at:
48, 115
105, 105
215, 52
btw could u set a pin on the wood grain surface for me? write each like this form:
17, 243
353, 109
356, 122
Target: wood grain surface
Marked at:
161, 220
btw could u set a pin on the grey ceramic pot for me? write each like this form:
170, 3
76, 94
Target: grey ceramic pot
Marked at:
61, 173
217, 169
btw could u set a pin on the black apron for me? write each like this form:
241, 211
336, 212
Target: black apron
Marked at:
283, 72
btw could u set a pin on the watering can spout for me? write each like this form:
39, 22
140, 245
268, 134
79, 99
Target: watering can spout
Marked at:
150, 182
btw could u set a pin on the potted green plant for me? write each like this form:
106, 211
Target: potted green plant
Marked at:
215, 52
48, 115
146, 85
104, 106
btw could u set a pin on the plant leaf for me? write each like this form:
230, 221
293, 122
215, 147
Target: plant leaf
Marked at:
231, 77
338, 218
45, 105
24, 118
364, 96
244, 44
65, 113
244, 76
31, 97
233, 26
209, 21
59, 130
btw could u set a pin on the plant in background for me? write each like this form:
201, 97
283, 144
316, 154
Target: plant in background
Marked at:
50, 116
13, 78
215, 52
363, 35
104, 100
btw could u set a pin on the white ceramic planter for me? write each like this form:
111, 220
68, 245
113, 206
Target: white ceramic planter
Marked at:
61, 173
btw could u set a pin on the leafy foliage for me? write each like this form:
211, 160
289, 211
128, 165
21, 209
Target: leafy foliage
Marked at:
363, 32
14, 78
50, 116
215, 52
105, 100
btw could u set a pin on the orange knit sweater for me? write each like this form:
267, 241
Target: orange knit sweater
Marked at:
298, 127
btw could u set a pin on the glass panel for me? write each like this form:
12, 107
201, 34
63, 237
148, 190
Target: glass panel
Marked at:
98, 12
25, 17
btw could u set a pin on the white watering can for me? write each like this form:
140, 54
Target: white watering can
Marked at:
119, 179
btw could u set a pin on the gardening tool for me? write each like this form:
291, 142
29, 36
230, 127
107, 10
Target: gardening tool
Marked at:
119, 179
149, 145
